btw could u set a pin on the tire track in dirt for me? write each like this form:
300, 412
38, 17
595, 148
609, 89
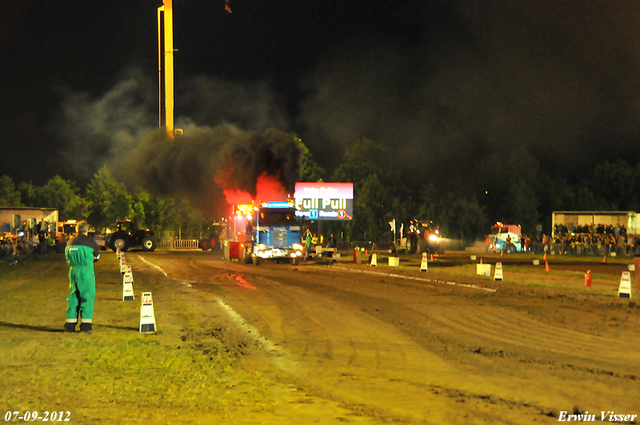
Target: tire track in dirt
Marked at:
264, 311
361, 361
564, 382
343, 353
512, 327
298, 318
357, 368
301, 330
291, 402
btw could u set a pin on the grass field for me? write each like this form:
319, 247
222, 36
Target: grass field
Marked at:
115, 375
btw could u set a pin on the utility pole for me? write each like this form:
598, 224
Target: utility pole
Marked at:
167, 8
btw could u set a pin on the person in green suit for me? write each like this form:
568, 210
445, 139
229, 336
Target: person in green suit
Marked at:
81, 252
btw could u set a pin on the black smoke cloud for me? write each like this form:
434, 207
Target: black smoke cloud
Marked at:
557, 78
250, 105
205, 160
442, 83
95, 129
117, 129
247, 157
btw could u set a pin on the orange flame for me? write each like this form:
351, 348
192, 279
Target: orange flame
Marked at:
268, 188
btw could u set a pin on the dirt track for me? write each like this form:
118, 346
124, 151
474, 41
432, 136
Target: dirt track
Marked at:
440, 349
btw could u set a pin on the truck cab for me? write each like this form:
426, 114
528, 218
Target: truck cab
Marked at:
277, 233
65, 231
505, 237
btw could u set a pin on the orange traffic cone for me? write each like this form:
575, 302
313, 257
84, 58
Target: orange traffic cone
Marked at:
604, 260
545, 256
546, 266
431, 257
481, 261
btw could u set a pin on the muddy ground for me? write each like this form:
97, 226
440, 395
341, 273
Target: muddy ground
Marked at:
362, 344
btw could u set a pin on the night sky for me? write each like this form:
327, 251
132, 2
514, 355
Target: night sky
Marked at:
441, 83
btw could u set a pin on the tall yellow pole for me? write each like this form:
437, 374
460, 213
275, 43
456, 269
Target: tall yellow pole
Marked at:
160, 56
167, 8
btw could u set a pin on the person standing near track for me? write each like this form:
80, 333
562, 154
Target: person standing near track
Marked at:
81, 252
307, 243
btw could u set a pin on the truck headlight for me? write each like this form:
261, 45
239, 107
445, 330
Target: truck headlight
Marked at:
433, 238
297, 247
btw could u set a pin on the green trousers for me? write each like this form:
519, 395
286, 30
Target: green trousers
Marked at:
82, 294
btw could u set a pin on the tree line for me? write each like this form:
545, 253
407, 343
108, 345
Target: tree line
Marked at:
511, 188
103, 201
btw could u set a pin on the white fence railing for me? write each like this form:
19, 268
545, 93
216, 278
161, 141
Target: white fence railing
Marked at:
179, 244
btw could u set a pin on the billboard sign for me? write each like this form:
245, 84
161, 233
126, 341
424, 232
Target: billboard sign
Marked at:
324, 201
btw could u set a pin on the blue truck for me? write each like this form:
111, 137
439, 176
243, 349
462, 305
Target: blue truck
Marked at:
277, 233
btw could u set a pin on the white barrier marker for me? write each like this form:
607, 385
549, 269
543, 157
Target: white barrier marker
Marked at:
147, 316
374, 260
424, 264
498, 274
127, 285
624, 290
123, 264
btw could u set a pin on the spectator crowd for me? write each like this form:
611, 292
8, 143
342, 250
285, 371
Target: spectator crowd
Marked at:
585, 240
12, 245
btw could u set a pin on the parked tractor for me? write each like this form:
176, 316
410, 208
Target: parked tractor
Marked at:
128, 236
212, 236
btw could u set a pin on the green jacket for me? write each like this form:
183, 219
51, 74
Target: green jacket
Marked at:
82, 251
